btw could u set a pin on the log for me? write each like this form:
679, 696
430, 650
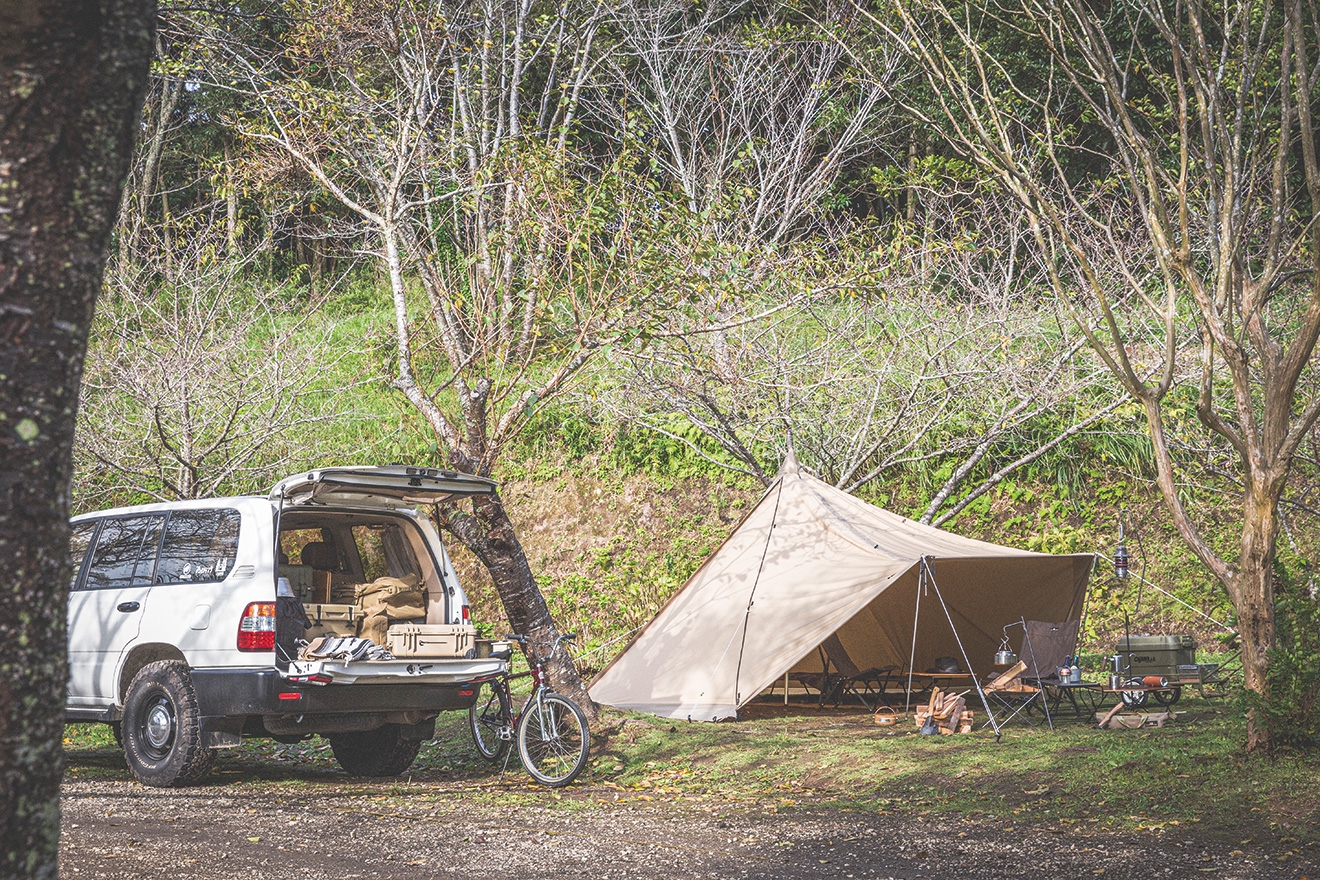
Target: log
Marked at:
1104, 722
1005, 678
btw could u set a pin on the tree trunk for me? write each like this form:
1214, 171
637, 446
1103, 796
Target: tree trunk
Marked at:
74, 75
489, 534
1253, 589
231, 204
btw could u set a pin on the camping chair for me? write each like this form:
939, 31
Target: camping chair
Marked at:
845, 679
1044, 648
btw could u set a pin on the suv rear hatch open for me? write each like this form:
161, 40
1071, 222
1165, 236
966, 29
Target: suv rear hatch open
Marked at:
336, 505
390, 486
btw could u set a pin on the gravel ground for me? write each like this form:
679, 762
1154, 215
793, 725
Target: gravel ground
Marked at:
340, 828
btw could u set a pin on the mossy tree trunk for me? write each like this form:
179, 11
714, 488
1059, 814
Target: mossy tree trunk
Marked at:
74, 73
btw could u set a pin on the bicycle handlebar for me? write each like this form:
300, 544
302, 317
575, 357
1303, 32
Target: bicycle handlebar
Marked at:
524, 641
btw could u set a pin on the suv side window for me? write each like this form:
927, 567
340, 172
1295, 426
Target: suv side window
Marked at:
80, 537
200, 546
125, 552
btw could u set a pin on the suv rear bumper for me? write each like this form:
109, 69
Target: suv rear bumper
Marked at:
227, 697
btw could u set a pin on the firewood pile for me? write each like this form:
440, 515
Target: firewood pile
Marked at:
1010, 681
949, 711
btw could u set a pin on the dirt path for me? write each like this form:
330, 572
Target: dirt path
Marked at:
327, 826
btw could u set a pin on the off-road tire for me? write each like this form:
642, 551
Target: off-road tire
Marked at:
487, 717
161, 727
379, 752
553, 740
1168, 697
1136, 697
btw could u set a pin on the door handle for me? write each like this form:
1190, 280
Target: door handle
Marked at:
128, 606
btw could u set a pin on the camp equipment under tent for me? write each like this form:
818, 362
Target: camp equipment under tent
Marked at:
810, 561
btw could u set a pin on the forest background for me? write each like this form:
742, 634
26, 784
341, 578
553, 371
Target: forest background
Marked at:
620, 258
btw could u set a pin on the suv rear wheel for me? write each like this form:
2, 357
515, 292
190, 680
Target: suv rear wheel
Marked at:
161, 732
379, 752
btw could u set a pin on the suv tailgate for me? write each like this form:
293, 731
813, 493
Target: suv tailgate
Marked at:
412, 670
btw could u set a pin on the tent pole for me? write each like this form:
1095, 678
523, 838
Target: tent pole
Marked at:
751, 600
930, 577
912, 657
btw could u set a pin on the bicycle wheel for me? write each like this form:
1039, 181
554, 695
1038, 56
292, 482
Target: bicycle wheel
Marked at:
553, 740
490, 720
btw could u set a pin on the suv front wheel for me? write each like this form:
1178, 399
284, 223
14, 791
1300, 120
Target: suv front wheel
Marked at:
162, 736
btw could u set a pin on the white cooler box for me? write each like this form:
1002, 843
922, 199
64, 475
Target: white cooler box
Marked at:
431, 639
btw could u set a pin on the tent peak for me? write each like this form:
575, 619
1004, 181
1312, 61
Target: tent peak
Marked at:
790, 466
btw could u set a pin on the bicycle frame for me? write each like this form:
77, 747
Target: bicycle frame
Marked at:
539, 690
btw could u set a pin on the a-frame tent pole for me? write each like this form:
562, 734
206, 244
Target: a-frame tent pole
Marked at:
751, 600
928, 574
912, 655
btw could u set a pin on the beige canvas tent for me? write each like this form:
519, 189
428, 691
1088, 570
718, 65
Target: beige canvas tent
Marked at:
811, 560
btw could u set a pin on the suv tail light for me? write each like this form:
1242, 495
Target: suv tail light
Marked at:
256, 631
467, 613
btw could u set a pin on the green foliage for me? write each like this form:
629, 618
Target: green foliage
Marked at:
1290, 706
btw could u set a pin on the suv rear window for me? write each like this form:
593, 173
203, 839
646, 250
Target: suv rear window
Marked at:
200, 546
80, 537
125, 554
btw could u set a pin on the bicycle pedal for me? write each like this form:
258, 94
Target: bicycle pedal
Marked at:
504, 733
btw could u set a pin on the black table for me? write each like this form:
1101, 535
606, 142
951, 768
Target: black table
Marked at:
1086, 698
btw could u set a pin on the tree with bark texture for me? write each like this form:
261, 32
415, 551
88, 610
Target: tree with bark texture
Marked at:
74, 74
445, 131
1165, 154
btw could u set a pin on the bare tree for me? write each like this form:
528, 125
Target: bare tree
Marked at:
1196, 123
73, 78
198, 381
751, 113
447, 136
865, 369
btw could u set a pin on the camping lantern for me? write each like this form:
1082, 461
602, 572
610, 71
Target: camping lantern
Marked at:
1121, 560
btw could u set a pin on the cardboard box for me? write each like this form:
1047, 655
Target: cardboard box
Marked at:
432, 640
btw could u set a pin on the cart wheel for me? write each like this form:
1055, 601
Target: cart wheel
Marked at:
1168, 697
1135, 698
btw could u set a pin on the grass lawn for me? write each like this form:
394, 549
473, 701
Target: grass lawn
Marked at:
1191, 772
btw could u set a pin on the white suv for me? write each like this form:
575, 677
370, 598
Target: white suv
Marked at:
180, 639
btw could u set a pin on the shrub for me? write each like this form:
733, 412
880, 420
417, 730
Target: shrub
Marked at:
1290, 708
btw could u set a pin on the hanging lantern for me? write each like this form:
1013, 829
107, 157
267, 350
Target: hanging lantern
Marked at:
1121, 561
